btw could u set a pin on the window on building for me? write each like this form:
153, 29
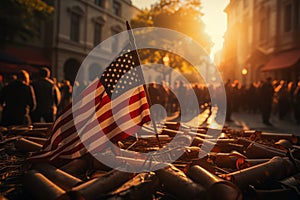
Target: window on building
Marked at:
288, 17
264, 28
115, 41
246, 32
100, 3
116, 8
246, 3
297, 15
75, 27
40, 28
97, 34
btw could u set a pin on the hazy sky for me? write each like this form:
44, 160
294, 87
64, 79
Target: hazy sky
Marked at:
214, 18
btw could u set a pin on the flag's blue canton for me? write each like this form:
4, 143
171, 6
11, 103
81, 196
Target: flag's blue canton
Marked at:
122, 74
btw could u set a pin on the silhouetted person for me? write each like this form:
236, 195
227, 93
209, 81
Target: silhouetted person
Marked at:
266, 100
47, 97
252, 98
66, 94
296, 97
17, 99
229, 100
158, 95
283, 101
180, 92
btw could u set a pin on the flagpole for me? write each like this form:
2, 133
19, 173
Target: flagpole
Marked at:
132, 41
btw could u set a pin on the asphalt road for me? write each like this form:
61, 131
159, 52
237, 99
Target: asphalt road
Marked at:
250, 121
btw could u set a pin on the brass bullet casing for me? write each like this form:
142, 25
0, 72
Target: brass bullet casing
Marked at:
216, 187
179, 185
40, 187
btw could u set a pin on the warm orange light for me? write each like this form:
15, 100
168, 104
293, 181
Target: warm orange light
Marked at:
166, 60
215, 21
214, 18
244, 71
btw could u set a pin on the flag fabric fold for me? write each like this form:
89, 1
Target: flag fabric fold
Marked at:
110, 109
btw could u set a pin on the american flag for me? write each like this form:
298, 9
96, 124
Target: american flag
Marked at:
111, 108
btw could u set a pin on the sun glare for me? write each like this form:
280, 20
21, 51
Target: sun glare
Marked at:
214, 18
215, 21
143, 3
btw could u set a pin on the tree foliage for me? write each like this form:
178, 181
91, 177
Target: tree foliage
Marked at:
184, 16
180, 15
22, 18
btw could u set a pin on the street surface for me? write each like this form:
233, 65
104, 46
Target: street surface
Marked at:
247, 121
250, 121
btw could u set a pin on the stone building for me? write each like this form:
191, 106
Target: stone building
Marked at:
262, 39
77, 27
81, 25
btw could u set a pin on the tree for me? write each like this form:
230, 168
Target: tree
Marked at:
22, 18
179, 15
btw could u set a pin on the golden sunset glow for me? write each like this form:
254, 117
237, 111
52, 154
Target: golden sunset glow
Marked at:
215, 21
143, 3
214, 18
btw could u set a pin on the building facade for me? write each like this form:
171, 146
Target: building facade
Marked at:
81, 25
262, 39
76, 28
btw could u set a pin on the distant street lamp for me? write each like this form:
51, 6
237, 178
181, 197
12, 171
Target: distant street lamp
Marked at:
205, 64
244, 73
166, 61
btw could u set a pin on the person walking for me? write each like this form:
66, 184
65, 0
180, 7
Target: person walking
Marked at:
17, 99
283, 100
229, 92
47, 97
296, 98
266, 100
66, 90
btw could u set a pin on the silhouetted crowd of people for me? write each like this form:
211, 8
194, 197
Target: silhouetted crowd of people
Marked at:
24, 101
280, 98
268, 97
179, 97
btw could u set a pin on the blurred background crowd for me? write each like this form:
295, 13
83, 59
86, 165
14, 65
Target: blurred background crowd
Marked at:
25, 100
